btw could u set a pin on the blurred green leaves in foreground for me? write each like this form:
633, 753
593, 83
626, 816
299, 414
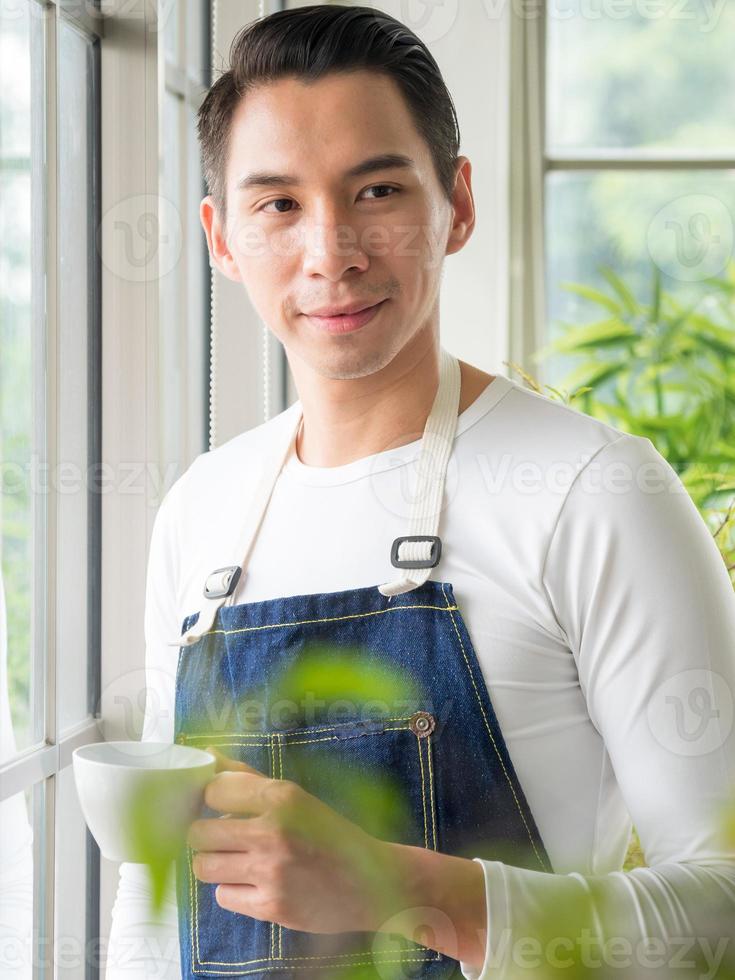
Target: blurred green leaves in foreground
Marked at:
561, 940
342, 684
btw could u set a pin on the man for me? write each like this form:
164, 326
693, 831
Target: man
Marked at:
563, 609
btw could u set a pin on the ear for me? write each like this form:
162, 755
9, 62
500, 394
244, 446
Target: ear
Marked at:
463, 208
214, 229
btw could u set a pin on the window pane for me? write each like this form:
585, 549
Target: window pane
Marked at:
197, 57
22, 409
70, 930
16, 885
73, 592
680, 222
168, 26
632, 80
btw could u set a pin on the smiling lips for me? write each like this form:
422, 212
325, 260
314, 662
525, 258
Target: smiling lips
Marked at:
344, 322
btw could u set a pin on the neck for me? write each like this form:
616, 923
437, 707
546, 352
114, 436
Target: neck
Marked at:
348, 420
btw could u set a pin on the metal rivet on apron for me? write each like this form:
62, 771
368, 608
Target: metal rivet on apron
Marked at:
422, 723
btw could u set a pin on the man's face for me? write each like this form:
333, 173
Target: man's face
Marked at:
323, 238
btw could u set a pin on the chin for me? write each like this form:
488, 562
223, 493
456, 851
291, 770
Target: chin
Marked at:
347, 365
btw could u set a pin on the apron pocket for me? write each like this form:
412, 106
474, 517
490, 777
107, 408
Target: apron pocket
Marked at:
378, 774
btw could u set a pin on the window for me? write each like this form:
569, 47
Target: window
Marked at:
637, 153
49, 511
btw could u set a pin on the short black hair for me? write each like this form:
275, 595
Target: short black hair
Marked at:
314, 41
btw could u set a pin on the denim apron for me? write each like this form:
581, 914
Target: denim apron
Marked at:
430, 736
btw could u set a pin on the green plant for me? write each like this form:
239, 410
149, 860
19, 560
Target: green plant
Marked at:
667, 372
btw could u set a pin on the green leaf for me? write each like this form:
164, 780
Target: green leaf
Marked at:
653, 372
595, 295
579, 392
656, 302
629, 300
711, 334
592, 374
556, 392
602, 333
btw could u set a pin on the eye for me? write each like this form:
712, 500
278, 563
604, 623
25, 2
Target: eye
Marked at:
278, 200
383, 187
381, 197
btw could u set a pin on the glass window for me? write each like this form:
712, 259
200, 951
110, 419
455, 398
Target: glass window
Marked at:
639, 156
16, 849
22, 402
636, 81
49, 523
678, 222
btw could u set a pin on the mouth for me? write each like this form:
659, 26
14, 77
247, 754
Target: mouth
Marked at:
345, 323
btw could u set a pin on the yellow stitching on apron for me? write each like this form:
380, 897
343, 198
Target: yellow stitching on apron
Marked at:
336, 738
325, 619
311, 741
192, 902
423, 793
370, 962
497, 752
273, 776
431, 788
265, 735
280, 776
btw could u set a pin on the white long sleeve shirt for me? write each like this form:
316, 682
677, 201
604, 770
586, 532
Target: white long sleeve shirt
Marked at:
603, 619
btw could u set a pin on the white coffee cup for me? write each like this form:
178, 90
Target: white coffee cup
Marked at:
139, 798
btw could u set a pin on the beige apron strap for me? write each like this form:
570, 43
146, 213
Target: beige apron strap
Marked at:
419, 551
222, 582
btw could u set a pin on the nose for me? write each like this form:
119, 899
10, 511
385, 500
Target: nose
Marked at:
331, 247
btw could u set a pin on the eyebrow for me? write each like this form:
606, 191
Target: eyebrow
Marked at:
385, 161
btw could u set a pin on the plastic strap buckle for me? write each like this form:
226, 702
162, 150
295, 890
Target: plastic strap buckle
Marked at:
221, 582
431, 562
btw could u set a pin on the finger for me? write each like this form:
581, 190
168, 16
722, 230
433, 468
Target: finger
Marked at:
243, 793
226, 764
218, 867
239, 898
224, 834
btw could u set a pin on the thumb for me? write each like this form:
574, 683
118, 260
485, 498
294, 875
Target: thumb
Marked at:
226, 764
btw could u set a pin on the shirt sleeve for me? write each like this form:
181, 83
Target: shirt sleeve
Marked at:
638, 586
143, 944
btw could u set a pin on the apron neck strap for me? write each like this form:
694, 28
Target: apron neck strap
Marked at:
419, 551
222, 583
416, 554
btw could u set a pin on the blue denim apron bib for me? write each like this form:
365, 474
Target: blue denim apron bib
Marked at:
436, 743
